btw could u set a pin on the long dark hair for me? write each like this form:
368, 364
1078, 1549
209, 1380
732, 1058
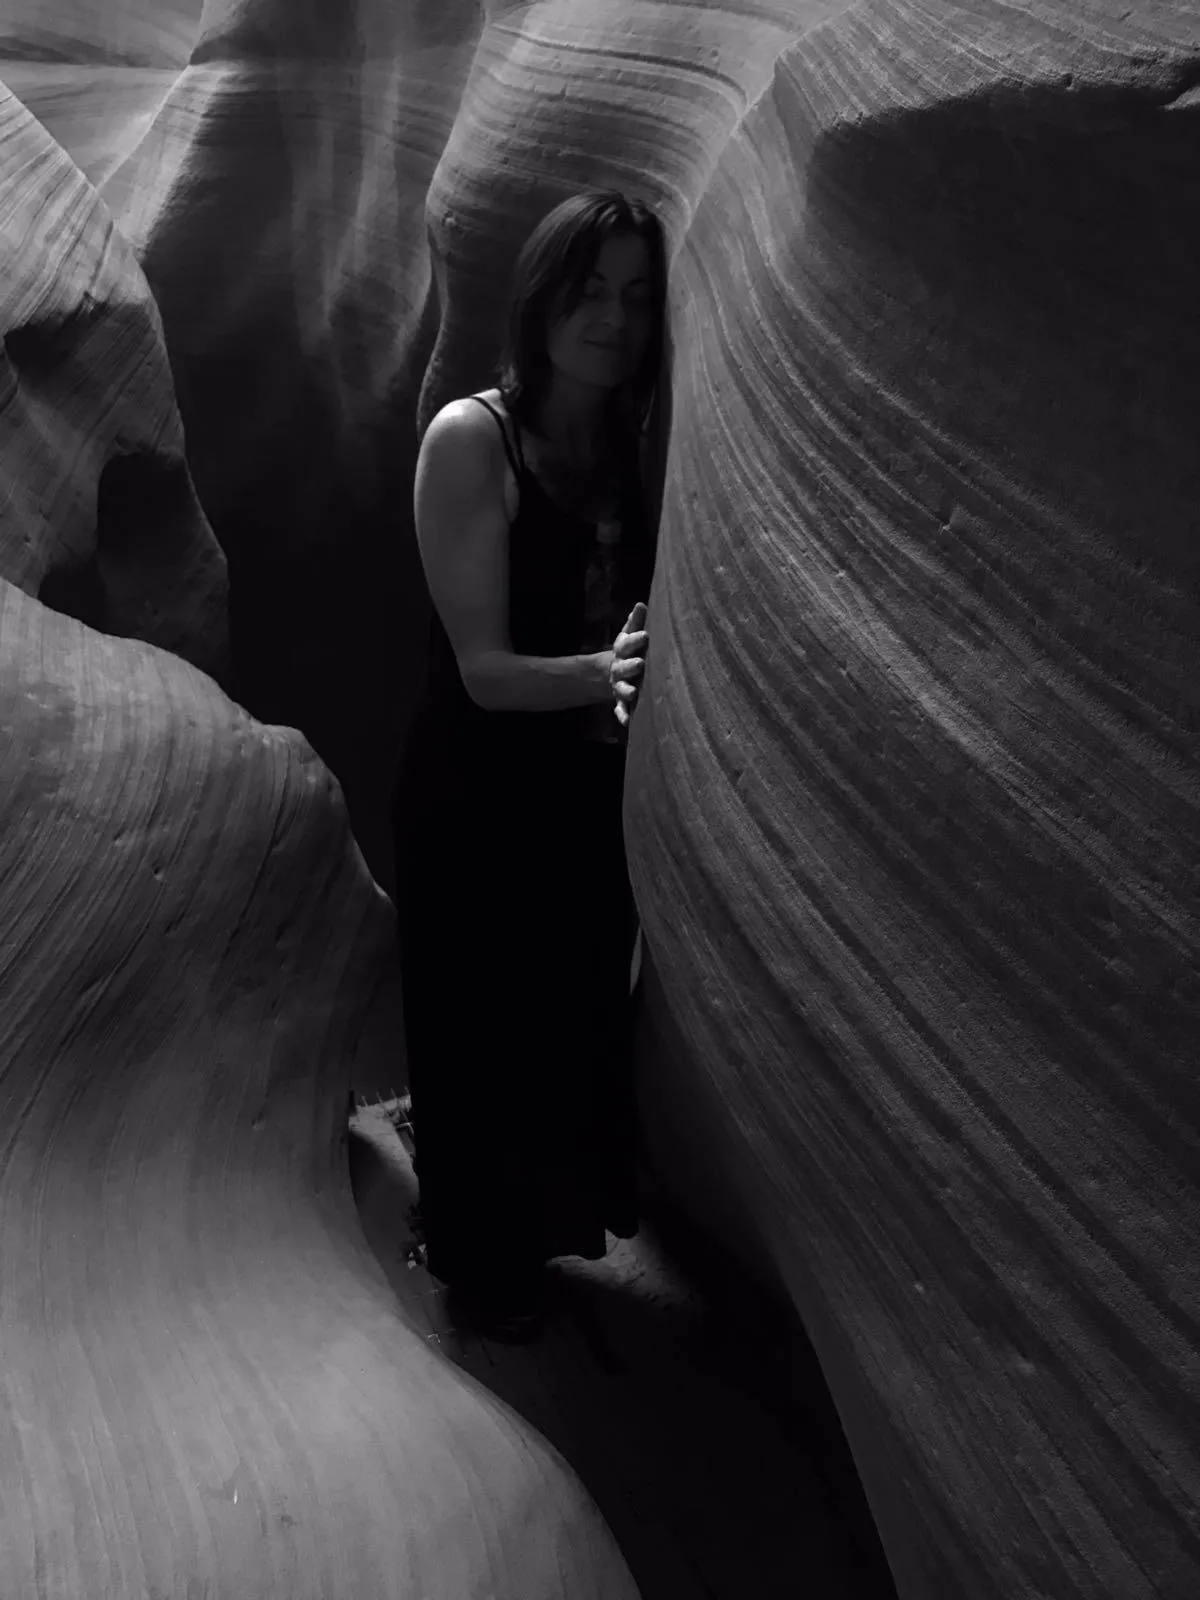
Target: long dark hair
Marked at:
558, 255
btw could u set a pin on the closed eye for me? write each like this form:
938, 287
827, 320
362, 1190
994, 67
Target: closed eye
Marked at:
639, 295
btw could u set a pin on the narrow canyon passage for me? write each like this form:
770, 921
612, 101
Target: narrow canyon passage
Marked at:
911, 806
687, 1401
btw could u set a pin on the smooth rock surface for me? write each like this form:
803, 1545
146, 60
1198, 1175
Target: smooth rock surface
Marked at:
913, 809
98, 513
208, 1387
278, 206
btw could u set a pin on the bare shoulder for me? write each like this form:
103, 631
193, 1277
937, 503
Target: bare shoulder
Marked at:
462, 430
464, 416
464, 448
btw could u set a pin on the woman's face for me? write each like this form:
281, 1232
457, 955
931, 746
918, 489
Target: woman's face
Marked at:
604, 339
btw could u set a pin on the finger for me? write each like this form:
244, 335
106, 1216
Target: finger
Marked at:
630, 668
634, 620
626, 692
621, 715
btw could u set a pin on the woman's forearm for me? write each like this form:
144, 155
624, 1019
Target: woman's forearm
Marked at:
500, 681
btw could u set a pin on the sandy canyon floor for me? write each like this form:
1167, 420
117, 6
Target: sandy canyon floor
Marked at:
674, 1392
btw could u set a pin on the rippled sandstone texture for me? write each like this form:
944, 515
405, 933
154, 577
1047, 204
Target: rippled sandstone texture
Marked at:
99, 517
912, 804
207, 1386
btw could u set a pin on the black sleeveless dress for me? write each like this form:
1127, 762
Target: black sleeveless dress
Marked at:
517, 923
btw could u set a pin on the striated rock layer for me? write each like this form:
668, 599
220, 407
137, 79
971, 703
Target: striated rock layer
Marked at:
277, 205
912, 810
98, 515
913, 802
207, 1385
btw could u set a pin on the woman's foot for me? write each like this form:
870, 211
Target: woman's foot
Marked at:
509, 1310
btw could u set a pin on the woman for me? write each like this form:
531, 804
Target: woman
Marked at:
517, 922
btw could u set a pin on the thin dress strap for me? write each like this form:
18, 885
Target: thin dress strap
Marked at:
504, 435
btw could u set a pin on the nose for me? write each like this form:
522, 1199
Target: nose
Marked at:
611, 328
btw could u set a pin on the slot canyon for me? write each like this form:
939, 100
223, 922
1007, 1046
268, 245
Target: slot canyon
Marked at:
912, 804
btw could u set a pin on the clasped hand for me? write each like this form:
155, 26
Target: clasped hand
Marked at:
628, 663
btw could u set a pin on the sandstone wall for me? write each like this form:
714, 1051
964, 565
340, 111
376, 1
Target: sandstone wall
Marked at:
912, 804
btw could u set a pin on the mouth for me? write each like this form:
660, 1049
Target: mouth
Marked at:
613, 349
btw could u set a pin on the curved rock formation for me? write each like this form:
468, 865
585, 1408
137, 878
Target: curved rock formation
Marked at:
913, 808
345, 110
913, 800
207, 1385
99, 516
95, 74
913, 805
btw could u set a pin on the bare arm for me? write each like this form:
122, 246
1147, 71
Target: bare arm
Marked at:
462, 534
